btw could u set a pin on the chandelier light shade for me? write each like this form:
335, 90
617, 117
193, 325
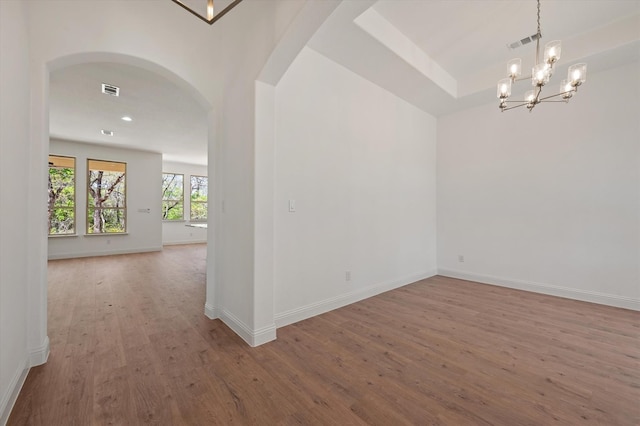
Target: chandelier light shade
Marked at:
566, 89
552, 51
208, 10
541, 74
577, 74
514, 68
504, 88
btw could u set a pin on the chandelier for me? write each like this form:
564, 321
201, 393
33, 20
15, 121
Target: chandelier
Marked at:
540, 75
205, 10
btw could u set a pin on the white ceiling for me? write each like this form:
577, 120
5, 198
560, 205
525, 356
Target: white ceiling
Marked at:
447, 55
166, 119
439, 55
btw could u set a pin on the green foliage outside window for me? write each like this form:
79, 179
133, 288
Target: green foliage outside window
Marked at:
199, 187
106, 200
61, 195
172, 196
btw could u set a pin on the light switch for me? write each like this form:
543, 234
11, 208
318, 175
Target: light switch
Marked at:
292, 206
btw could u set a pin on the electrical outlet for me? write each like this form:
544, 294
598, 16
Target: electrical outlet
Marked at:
347, 276
460, 258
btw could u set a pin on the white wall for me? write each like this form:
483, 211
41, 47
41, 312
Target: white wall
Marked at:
143, 191
360, 164
547, 201
177, 232
14, 151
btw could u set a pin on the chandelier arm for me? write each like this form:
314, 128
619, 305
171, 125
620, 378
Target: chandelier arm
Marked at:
523, 78
515, 106
538, 90
545, 99
552, 96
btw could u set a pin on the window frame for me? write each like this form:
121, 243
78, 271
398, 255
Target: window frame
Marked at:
75, 196
191, 201
89, 207
181, 201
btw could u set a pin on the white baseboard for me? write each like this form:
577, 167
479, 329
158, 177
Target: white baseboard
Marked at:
550, 289
39, 355
210, 311
298, 314
58, 256
264, 335
183, 242
12, 392
252, 337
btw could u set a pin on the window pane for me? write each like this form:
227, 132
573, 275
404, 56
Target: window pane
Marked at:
172, 196
198, 211
199, 186
172, 210
61, 195
62, 221
106, 197
105, 220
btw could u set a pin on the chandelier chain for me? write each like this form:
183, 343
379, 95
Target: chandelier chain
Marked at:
538, 37
539, 19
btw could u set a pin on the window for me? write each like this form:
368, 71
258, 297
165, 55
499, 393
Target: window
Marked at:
172, 196
199, 198
62, 195
106, 197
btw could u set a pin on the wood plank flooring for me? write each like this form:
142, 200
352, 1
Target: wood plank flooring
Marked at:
130, 346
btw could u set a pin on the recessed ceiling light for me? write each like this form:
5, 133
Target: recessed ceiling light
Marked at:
107, 132
127, 118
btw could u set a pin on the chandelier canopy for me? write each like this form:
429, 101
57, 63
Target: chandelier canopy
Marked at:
206, 9
540, 76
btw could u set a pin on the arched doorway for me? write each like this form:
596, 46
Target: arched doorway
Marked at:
37, 236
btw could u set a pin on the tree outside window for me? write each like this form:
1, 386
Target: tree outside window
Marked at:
172, 196
106, 198
62, 195
199, 185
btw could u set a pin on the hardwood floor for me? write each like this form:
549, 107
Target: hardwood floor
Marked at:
130, 345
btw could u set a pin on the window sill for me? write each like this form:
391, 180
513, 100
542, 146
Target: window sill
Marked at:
174, 221
62, 235
107, 234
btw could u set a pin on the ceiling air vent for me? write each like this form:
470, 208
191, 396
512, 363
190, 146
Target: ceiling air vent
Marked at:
109, 89
522, 42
